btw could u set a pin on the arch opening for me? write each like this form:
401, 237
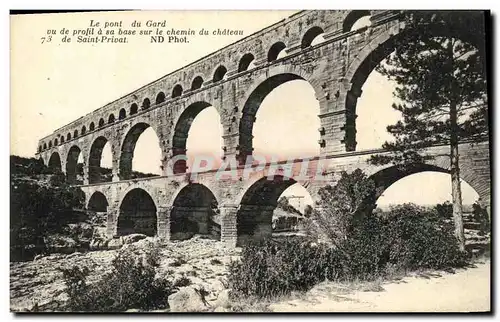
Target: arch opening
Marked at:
84, 130
68, 137
75, 134
62, 139
195, 211
177, 91
122, 114
92, 126
111, 119
312, 37
219, 74
101, 122
160, 98
397, 185
369, 88
133, 109
74, 166
356, 19
277, 51
262, 210
56, 142
98, 203
267, 110
55, 163
247, 62
98, 172
198, 131
197, 83
140, 153
45, 146
137, 214
146, 103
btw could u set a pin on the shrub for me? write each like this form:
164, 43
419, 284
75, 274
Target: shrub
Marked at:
420, 238
270, 268
358, 245
130, 284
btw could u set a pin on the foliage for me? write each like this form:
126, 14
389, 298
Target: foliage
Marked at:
130, 284
270, 268
38, 209
417, 237
442, 92
347, 242
481, 216
351, 199
437, 75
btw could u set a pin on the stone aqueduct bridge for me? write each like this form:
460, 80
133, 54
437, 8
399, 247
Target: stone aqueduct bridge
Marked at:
235, 80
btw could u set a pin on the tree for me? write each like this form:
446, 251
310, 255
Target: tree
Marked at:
341, 207
441, 88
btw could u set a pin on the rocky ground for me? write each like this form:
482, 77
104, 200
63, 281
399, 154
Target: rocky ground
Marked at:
38, 284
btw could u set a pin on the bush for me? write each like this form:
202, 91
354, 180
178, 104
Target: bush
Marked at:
420, 238
38, 211
130, 284
270, 268
351, 244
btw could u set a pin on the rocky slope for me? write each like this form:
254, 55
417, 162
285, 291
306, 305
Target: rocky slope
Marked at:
198, 263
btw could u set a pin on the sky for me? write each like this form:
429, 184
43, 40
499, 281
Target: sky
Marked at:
55, 83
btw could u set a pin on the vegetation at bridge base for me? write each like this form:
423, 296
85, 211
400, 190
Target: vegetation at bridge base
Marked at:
360, 245
442, 92
42, 205
131, 283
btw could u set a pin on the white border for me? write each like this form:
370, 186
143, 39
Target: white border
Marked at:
195, 5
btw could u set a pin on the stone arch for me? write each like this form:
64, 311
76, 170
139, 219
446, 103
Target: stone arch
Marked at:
177, 91
378, 49
256, 94
72, 164
92, 126
94, 162
310, 35
68, 137
133, 109
219, 73
196, 83
101, 122
62, 139
50, 144
245, 62
98, 202
55, 162
181, 131
195, 211
256, 206
351, 18
56, 142
146, 103
275, 50
160, 98
111, 118
138, 214
128, 147
84, 130
75, 134
386, 177
122, 114
45, 146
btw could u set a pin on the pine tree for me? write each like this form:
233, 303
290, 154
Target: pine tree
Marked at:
441, 92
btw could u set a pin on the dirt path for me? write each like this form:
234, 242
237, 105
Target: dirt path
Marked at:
465, 291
